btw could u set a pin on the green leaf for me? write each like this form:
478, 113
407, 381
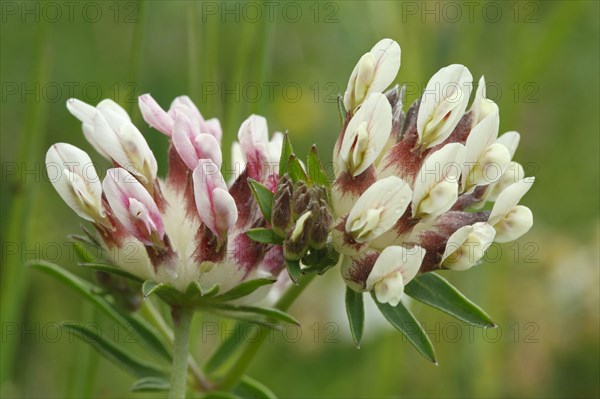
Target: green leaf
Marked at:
356, 314
113, 352
295, 169
434, 290
150, 384
264, 198
243, 289
315, 168
286, 152
294, 270
104, 267
403, 320
250, 388
150, 287
265, 236
149, 337
81, 251
226, 350
269, 313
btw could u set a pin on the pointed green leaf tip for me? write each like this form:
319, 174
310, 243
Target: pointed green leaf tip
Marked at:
265, 236
405, 322
316, 172
264, 198
250, 388
150, 384
286, 152
435, 291
113, 352
295, 169
356, 314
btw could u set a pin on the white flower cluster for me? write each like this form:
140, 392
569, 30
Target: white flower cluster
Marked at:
405, 181
187, 228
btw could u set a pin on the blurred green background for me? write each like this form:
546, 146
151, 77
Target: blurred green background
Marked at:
288, 61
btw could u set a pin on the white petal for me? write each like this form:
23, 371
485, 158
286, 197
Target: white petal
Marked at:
374, 72
514, 224
511, 141
188, 107
154, 115
81, 110
443, 167
115, 115
393, 259
509, 198
225, 209
207, 178
378, 208
133, 206
366, 134
482, 106
253, 136
213, 127
443, 104
74, 177
513, 173
467, 246
387, 63
139, 155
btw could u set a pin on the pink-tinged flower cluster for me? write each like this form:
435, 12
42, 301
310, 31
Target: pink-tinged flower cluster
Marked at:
408, 185
189, 227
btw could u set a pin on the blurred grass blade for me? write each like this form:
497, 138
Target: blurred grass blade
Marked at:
150, 384
113, 352
16, 217
263, 196
265, 236
149, 337
356, 314
227, 348
269, 313
243, 289
434, 290
401, 318
250, 388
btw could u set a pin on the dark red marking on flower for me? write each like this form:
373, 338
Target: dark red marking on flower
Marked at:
466, 200
451, 221
208, 248
160, 257
247, 253
346, 183
273, 261
361, 268
178, 170
244, 200
404, 159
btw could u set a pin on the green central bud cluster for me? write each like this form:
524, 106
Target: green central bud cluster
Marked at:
302, 216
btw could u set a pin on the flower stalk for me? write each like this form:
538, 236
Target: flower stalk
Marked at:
182, 320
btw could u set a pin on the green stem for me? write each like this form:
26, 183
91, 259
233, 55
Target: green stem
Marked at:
237, 371
182, 320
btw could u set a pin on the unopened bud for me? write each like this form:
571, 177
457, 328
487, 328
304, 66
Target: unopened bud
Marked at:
296, 245
281, 213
